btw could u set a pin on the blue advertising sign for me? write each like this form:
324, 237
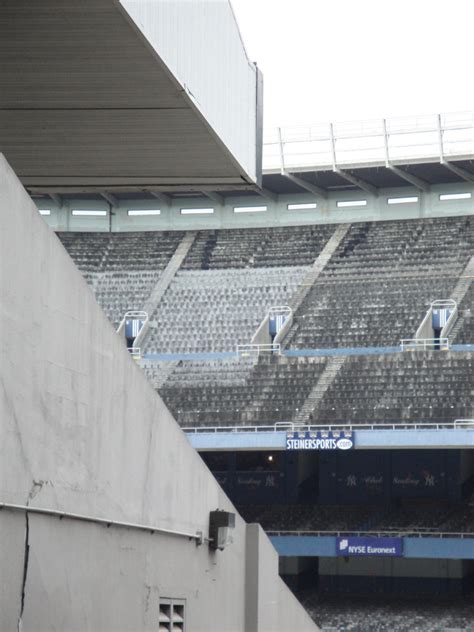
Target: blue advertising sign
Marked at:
320, 440
374, 547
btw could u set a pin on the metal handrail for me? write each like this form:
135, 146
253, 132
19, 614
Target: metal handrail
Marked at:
137, 313
108, 522
464, 422
248, 349
319, 146
140, 314
289, 427
445, 302
135, 352
423, 343
285, 425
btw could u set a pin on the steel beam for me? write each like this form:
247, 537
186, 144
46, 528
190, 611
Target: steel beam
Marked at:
358, 182
165, 199
215, 197
420, 184
414, 180
282, 151
152, 189
459, 171
267, 194
312, 188
111, 199
56, 199
440, 140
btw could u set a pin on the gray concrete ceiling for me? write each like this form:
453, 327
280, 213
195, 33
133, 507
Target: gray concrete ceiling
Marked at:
86, 102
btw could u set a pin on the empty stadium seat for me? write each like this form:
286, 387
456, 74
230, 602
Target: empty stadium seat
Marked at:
121, 268
425, 387
239, 392
379, 283
214, 310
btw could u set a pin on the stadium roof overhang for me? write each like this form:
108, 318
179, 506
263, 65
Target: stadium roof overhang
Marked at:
368, 178
88, 104
417, 151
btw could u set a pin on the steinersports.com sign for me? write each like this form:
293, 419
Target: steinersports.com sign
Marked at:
321, 440
374, 547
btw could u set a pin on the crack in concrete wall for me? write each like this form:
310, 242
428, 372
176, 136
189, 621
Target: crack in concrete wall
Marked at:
34, 491
25, 572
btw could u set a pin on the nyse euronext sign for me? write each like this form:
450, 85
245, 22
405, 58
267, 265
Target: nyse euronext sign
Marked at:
366, 546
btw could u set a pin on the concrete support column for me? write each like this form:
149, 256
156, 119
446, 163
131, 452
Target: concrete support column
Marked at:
260, 563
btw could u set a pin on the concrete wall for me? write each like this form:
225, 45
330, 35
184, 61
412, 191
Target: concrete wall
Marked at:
277, 213
84, 432
262, 562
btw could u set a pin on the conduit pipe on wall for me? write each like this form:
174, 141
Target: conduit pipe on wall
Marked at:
198, 536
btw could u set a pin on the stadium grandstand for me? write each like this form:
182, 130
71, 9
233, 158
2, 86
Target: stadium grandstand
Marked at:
335, 322
301, 304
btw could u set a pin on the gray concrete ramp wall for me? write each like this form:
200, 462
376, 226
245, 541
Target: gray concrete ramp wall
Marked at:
270, 606
83, 432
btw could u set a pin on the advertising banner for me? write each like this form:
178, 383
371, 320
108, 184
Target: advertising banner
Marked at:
320, 440
365, 546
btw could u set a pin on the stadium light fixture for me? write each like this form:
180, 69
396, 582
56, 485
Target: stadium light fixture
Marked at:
349, 203
250, 209
301, 207
143, 212
197, 211
403, 200
88, 213
220, 523
444, 197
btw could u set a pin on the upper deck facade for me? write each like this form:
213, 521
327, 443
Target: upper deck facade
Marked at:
369, 155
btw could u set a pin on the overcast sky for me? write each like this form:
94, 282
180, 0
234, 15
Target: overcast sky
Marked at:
338, 60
